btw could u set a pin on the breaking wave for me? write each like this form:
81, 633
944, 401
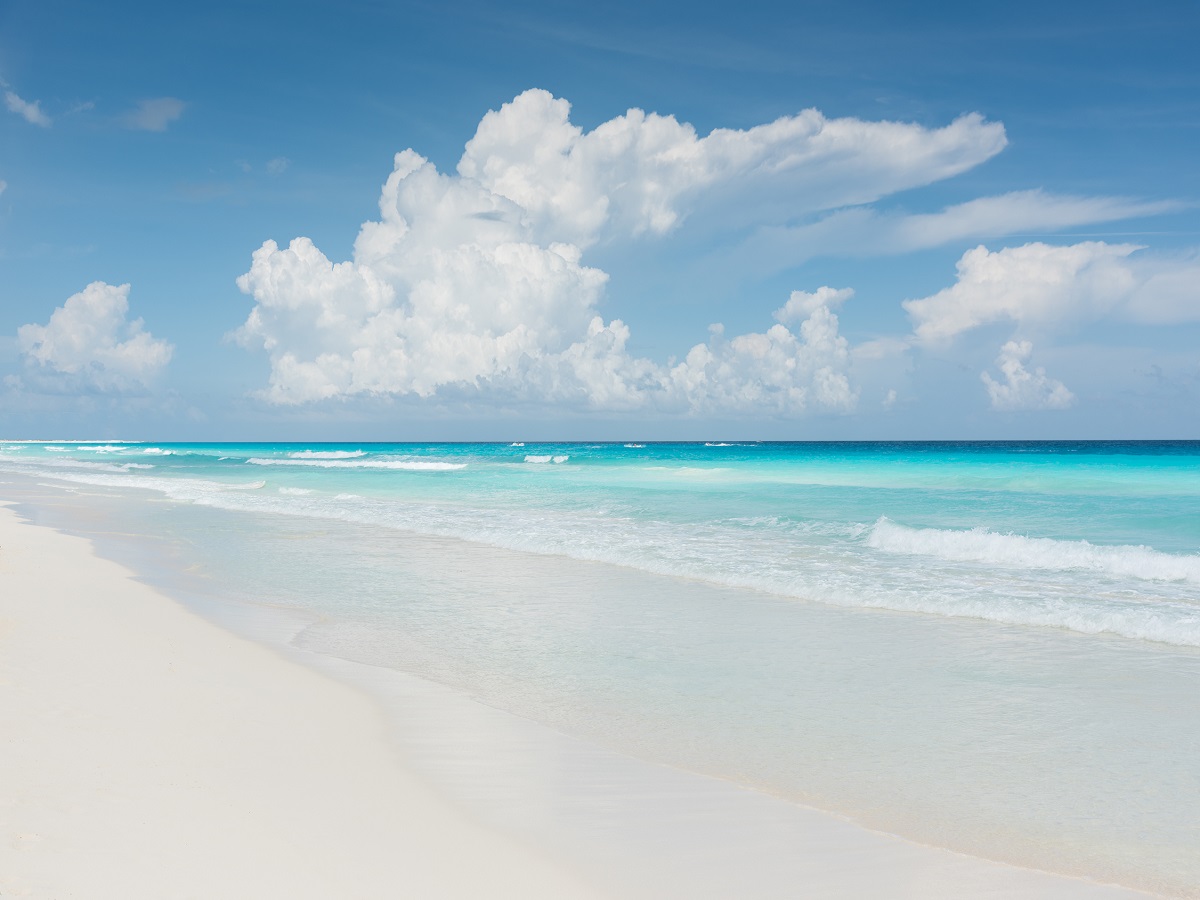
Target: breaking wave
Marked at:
1018, 551
1134, 591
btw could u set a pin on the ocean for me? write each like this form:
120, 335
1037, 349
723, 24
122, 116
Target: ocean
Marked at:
988, 647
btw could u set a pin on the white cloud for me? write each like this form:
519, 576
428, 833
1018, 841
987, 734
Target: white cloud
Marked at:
642, 172
155, 114
3, 186
30, 111
90, 339
278, 165
802, 304
1167, 288
780, 371
475, 282
1039, 285
1022, 389
1015, 212
470, 312
861, 231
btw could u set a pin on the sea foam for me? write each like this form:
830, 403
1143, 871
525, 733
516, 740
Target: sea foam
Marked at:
406, 465
1018, 551
327, 454
743, 525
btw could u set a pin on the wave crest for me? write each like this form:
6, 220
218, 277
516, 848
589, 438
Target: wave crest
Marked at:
1019, 551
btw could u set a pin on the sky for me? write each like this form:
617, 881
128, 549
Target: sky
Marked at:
534, 221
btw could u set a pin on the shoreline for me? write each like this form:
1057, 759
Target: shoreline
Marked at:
828, 854
149, 753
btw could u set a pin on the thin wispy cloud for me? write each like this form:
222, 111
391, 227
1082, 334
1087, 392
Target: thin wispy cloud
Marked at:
154, 115
863, 231
29, 110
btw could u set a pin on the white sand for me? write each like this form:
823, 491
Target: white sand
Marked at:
144, 752
147, 753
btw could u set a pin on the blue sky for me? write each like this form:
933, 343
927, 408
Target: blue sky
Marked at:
990, 224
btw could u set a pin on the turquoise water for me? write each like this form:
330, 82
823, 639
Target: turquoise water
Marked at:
989, 647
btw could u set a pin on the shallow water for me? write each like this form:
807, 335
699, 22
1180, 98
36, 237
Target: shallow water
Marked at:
1001, 657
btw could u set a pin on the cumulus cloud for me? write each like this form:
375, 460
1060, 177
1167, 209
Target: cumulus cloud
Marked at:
90, 340
642, 172
779, 371
476, 282
155, 114
802, 304
30, 111
1022, 389
1040, 285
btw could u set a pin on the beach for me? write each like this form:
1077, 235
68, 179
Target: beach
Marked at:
151, 753
147, 753
649, 451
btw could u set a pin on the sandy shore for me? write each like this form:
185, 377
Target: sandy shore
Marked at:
147, 753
